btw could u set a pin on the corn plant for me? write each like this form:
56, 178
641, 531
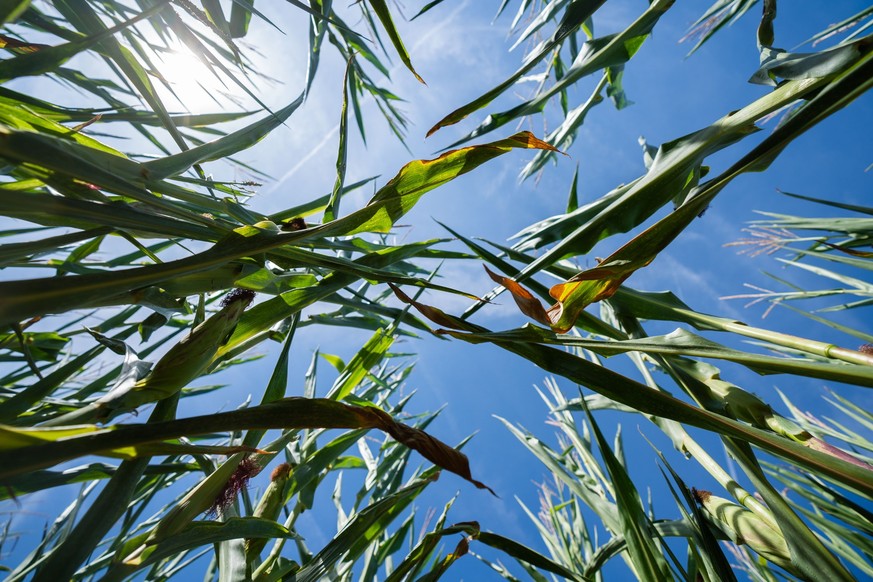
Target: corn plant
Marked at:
131, 275
124, 310
784, 537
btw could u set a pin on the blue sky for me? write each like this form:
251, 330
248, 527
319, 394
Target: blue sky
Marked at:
461, 52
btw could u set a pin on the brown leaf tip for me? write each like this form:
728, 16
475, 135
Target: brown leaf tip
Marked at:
238, 481
235, 295
481, 485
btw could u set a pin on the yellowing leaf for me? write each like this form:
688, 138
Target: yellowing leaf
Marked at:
592, 285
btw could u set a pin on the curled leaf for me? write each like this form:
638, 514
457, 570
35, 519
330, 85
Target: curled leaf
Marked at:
527, 303
429, 447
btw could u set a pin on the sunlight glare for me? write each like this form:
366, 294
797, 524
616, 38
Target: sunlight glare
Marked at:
192, 85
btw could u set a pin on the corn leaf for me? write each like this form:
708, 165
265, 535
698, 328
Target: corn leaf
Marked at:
63, 444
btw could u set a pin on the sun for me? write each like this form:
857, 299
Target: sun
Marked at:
183, 80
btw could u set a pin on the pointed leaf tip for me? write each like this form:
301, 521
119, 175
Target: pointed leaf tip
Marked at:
380, 7
527, 303
529, 140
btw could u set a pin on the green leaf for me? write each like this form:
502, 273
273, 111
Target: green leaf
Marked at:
706, 545
110, 505
574, 17
359, 366
573, 197
562, 137
648, 400
48, 59
361, 530
596, 54
777, 64
389, 204
213, 10
419, 177
525, 554
20, 402
12, 9
843, 25
718, 15
674, 170
425, 8
42, 480
240, 16
85, 19
808, 553
277, 385
184, 362
332, 209
221, 148
380, 7
637, 529
41, 346
202, 533
683, 343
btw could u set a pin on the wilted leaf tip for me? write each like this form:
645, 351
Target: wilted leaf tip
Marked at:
530, 141
526, 302
431, 448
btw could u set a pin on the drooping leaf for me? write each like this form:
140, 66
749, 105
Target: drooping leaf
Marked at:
645, 399
390, 203
23, 450
778, 65
602, 281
